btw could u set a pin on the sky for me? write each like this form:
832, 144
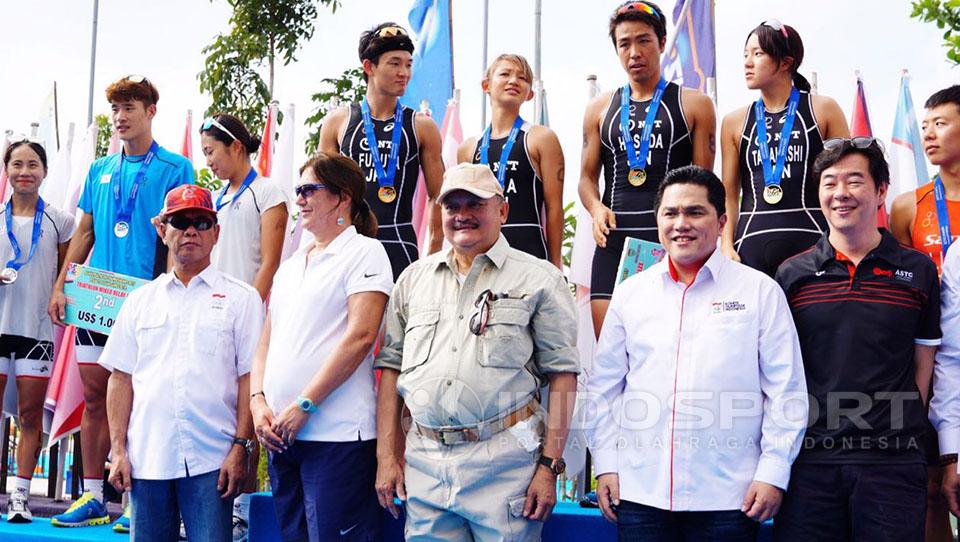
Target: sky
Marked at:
49, 40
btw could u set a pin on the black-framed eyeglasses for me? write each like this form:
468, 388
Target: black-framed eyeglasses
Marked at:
859, 142
211, 122
308, 189
183, 223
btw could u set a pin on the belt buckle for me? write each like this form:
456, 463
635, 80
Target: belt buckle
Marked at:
461, 436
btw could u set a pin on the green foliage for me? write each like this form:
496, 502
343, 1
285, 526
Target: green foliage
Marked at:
569, 231
349, 87
946, 15
261, 32
205, 178
104, 132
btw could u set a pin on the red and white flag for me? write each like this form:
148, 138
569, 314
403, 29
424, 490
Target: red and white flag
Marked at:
265, 158
186, 148
63, 406
860, 127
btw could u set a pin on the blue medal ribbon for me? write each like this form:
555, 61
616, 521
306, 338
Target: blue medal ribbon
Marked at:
386, 176
943, 216
34, 237
246, 184
772, 175
634, 159
125, 212
504, 153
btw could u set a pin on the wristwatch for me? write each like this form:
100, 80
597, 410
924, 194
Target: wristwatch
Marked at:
306, 404
246, 443
556, 466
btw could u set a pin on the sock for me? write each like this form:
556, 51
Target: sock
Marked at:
21, 485
95, 486
241, 506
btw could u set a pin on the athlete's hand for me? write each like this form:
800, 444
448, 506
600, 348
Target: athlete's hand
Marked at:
57, 309
951, 487
603, 220
608, 495
762, 501
729, 252
263, 425
289, 423
233, 473
121, 474
389, 483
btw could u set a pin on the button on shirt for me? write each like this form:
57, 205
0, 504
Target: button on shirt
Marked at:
308, 319
699, 389
450, 377
945, 403
185, 347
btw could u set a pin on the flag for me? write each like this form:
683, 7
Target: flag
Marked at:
47, 127
265, 159
54, 189
3, 171
420, 200
690, 59
63, 406
114, 146
540, 115
908, 166
284, 175
186, 148
433, 57
860, 127
82, 156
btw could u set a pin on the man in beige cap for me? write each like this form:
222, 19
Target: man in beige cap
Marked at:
472, 334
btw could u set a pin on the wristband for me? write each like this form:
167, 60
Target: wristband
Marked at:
948, 459
253, 395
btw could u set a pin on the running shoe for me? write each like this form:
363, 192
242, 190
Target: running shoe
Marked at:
17, 509
239, 529
84, 512
122, 525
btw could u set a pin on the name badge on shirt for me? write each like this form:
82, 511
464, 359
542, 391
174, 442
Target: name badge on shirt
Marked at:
105, 179
219, 301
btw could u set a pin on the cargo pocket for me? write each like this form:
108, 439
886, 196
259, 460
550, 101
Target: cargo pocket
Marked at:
418, 338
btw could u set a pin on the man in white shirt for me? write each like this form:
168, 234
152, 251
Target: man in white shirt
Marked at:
702, 404
945, 403
180, 355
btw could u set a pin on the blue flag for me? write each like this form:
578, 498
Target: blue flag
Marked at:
433, 58
692, 60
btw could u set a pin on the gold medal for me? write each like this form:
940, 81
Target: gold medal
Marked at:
772, 194
387, 194
637, 177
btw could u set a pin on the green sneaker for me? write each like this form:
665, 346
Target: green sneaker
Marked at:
122, 525
86, 511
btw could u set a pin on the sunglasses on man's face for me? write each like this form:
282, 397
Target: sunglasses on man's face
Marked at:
183, 223
308, 189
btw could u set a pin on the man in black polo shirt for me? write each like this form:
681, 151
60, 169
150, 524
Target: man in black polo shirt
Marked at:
868, 314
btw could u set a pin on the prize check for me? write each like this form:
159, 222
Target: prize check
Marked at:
94, 296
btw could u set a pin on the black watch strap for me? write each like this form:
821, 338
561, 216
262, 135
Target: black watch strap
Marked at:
556, 466
245, 443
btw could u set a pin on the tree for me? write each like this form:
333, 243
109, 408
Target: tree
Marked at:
104, 133
946, 15
349, 87
261, 32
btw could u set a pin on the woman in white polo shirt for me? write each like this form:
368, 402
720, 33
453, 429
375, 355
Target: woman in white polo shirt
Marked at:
251, 210
312, 381
33, 242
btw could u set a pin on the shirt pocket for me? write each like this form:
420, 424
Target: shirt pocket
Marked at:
151, 334
506, 342
418, 338
211, 335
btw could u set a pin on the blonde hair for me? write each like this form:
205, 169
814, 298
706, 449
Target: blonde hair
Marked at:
519, 60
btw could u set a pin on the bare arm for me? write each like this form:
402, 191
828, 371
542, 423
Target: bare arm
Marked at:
830, 118
330, 130
730, 171
923, 358
702, 119
549, 162
119, 405
466, 149
273, 225
431, 161
903, 212
588, 187
62, 254
80, 245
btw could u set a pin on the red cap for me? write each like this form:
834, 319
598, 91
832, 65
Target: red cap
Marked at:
188, 196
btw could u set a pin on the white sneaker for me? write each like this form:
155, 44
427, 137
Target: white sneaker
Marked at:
17, 509
239, 529
183, 531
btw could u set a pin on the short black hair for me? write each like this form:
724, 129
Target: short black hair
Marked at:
949, 95
716, 194
657, 21
372, 45
37, 148
830, 155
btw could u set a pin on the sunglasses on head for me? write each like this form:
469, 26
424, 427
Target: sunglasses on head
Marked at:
860, 142
136, 79
642, 7
390, 32
778, 26
211, 122
306, 190
183, 223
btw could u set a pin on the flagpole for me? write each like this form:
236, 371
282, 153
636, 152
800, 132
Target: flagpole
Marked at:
453, 76
537, 13
483, 101
672, 37
93, 60
56, 116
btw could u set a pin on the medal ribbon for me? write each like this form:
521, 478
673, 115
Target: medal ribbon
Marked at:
34, 237
384, 177
126, 211
633, 159
772, 175
943, 217
246, 183
504, 153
